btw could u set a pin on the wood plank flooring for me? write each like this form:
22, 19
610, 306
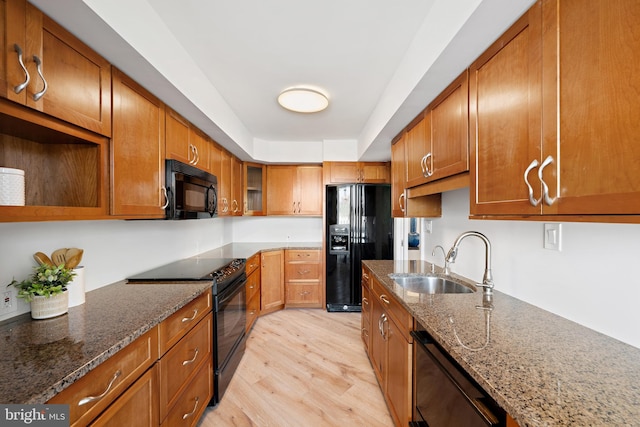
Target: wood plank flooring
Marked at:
303, 367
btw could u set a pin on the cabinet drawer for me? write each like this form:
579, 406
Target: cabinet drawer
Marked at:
194, 400
253, 262
302, 271
91, 394
174, 327
400, 315
139, 403
366, 302
305, 294
302, 255
182, 361
253, 309
253, 284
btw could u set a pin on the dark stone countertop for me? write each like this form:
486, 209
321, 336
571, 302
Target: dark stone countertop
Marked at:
544, 370
40, 358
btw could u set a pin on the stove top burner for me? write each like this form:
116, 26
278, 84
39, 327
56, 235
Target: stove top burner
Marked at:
191, 269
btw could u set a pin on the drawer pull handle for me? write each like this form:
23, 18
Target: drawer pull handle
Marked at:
189, 319
24, 84
195, 407
37, 96
302, 272
365, 301
89, 399
188, 362
384, 299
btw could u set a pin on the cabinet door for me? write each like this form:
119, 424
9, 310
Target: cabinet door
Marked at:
78, 80
12, 17
280, 185
399, 371
236, 186
591, 66
199, 148
272, 281
374, 172
418, 147
224, 184
398, 178
505, 120
255, 185
137, 151
343, 172
450, 130
177, 138
378, 348
215, 159
308, 190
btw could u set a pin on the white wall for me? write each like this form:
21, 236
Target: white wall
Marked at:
592, 281
116, 249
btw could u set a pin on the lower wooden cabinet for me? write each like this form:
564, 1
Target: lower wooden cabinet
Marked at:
253, 290
303, 272
271, 281
137, 407
390, 348
194, 399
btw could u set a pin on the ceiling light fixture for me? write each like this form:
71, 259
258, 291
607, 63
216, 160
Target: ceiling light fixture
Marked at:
303, 100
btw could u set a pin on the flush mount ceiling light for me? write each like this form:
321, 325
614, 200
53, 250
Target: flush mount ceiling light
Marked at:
303, 100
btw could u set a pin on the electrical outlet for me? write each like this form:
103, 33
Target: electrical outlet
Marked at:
8, 303
553, 237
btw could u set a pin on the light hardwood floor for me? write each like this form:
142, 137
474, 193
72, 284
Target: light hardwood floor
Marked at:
302, 367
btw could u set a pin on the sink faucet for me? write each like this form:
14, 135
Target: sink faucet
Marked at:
487, 280
447, 270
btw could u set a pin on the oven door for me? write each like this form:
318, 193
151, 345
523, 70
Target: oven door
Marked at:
231, 320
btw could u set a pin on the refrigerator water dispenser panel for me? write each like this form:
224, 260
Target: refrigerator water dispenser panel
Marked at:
339, 239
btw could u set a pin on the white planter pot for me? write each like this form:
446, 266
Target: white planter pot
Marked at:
47, 307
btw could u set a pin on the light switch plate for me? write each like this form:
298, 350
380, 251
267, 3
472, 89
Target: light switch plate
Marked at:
553, 236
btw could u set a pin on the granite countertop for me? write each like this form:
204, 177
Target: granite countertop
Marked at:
544, 370
40, 358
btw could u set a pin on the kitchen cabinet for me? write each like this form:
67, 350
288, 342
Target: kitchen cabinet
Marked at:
99, 389
255, 186
47, 69
185, 143
437, 143
391, 350
253, 289
398, 177
137, 151
365, 329
224, 184
357, 172
185, 368
303, 274
566, 106
294, 190
271, 281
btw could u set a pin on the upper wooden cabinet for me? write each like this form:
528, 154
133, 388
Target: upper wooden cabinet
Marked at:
398, 177
554, 113
137, 151
184, 142
294, 190
357, 172
46, 68
437, 142
237, 206
255, 189
224, 184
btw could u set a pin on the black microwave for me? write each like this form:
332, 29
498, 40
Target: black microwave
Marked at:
191, 193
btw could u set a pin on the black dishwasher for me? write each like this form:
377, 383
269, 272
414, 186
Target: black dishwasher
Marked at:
445, 395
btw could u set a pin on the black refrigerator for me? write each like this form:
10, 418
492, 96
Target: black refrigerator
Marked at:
358, 227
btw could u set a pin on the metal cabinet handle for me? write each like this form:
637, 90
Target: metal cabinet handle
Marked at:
189, 362
303, 272
245, 207
27, 77
189, 319
384, 319
89, 399
365, 301
531, 166
196, 155
545, 188
365, 332
166, 198
299, 208
400, 203
427, 172
234, 206
195, 407
384, 299
37, 96
423, 164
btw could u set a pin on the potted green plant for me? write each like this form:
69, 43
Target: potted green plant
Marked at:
46, 290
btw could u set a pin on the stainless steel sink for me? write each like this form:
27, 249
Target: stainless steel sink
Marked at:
431, 285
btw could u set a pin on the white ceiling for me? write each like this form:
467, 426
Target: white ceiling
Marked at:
222, 64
